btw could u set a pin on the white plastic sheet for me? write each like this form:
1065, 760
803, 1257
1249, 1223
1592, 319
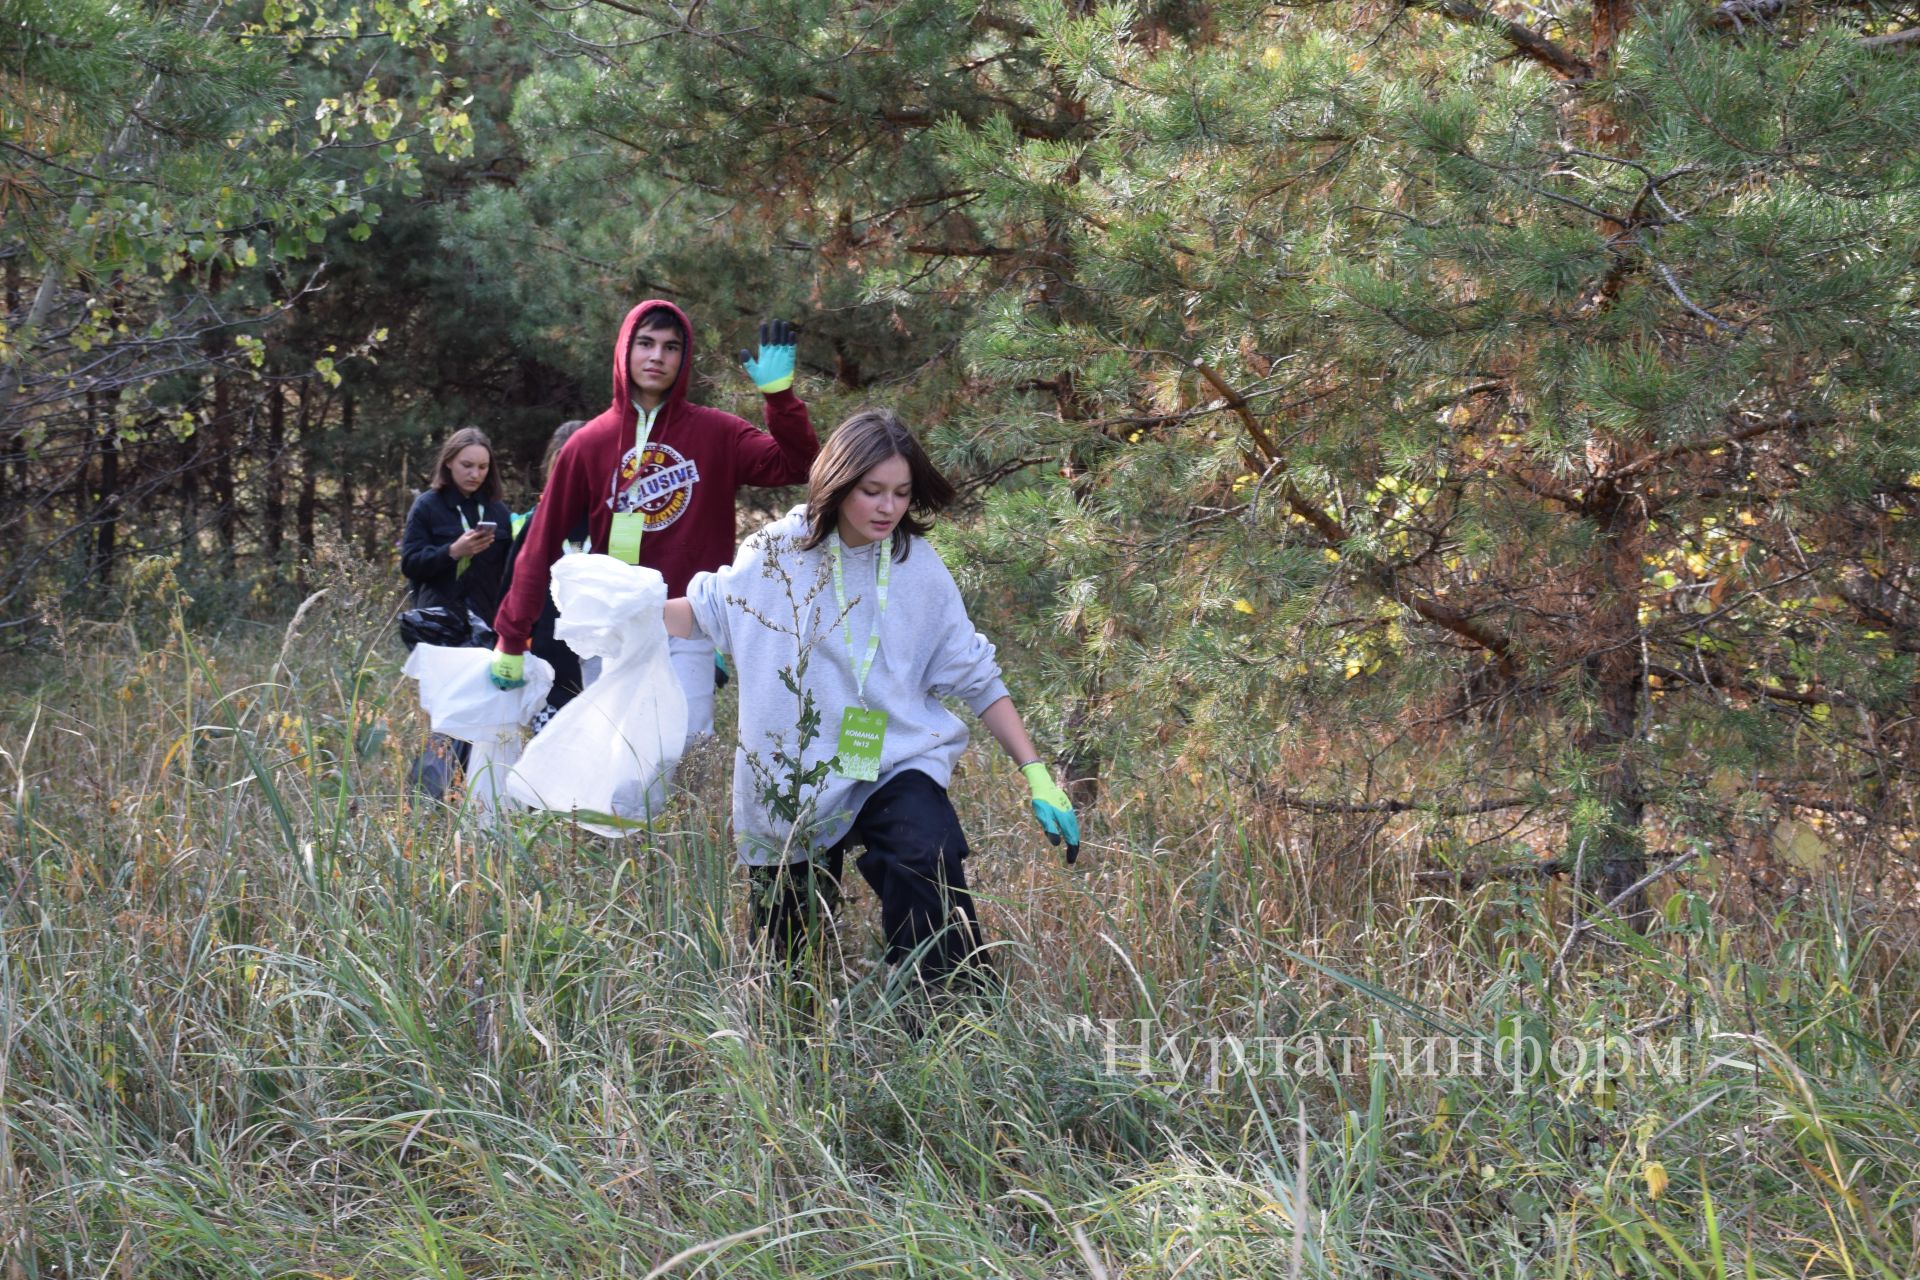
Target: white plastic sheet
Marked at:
610, 751
458, 695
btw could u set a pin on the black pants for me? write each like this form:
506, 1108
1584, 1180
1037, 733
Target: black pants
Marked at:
568, 682
914, 847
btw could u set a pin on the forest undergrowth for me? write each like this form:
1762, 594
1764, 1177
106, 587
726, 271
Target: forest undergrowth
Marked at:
267, 1015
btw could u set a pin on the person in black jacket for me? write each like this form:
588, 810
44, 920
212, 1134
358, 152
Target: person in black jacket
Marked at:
454, 551
454, 554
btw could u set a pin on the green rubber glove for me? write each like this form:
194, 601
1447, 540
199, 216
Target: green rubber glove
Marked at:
509, 670
772, 369
1053, 809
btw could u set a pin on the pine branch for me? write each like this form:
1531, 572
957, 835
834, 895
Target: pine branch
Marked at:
1524, 39
1329, 528
1536, 484
1717, 676
1648, 461
960, 251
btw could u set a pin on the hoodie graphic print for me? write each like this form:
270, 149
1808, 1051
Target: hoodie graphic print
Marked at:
656, 480
681, 474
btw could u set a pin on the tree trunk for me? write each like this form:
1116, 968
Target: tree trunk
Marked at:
1609, 842
343, 500
189, 470
106, 528
274, 503
374, 518
309, 487
1610, 19
224, 437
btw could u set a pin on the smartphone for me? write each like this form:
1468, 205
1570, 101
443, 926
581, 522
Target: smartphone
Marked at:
488, 525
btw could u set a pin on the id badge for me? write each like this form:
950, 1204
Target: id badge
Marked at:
861, 732
623, 536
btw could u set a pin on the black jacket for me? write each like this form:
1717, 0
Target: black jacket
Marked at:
432, 526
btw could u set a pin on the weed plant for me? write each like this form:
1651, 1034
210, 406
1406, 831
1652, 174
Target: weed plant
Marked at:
268, 1015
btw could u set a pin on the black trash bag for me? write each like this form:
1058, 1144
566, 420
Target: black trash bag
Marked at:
479, 632
445, 625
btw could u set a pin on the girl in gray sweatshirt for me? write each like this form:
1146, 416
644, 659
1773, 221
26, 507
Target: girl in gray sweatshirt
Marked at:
847, 632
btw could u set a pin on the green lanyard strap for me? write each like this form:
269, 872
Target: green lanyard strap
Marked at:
461, 566
642, 432
883, 574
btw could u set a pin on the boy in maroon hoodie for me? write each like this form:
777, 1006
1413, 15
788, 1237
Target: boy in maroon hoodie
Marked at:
655, 476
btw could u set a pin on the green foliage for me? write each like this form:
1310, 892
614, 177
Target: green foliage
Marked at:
1543, 373
175, 181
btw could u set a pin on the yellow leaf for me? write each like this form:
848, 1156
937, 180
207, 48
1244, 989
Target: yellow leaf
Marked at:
1656, 1175
1797, 844
1242, 606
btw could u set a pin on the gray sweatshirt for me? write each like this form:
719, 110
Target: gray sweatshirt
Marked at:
773, 602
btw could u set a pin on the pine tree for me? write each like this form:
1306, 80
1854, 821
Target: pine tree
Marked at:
760, 158
1444, 372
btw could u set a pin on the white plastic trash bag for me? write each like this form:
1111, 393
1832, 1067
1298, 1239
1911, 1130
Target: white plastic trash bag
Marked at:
608, 753
458, 694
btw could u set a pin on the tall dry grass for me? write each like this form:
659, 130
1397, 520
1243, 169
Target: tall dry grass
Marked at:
268, 1015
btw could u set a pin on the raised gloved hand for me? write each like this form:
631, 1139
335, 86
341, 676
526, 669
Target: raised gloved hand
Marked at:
772, 369
1053, 809
509, 670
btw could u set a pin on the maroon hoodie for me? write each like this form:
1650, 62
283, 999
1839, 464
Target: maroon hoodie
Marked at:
693, 462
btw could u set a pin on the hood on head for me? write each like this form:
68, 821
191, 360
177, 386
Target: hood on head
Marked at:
622, 390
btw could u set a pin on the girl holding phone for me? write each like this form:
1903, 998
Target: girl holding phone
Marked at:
454, 551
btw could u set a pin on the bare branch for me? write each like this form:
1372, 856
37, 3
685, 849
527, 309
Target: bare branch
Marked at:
1765, 426
1907, 39
1734, 15
1289, 801
1587, 922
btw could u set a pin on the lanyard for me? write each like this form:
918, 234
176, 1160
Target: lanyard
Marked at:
461, 566
643, 424
883, 573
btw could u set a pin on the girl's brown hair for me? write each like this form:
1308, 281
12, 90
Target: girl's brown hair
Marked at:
466, 438
560, 434
856, 447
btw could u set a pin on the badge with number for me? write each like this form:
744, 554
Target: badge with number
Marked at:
861, 733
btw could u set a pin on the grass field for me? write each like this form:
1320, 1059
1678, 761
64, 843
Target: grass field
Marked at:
267, 1016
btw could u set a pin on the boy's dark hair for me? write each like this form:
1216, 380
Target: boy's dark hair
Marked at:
656, 320
856, 447
466, 438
